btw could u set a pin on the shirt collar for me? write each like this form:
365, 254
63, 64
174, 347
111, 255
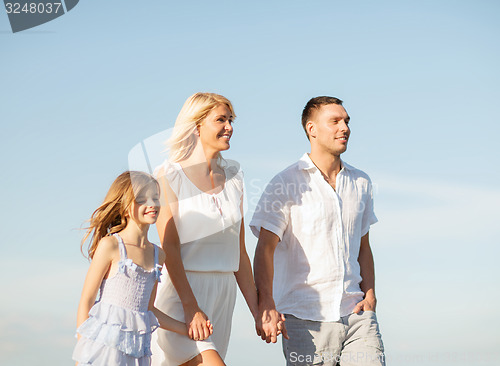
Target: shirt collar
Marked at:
305, 163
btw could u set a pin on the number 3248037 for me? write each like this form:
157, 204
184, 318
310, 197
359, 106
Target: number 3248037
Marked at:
33, 8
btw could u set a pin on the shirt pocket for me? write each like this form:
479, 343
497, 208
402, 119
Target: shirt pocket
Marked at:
308, 220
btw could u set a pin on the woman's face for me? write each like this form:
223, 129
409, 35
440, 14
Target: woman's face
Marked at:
216, 129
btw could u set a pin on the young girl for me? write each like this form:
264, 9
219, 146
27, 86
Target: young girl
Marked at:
125, 269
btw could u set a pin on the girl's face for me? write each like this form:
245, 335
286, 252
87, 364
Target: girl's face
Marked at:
145, 208
216, 129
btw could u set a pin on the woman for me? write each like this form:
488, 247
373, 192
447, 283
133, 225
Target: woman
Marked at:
201, 229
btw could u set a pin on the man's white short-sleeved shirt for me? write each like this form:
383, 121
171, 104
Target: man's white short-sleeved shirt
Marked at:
316, 269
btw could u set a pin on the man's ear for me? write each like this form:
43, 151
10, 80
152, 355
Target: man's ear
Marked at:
311, 129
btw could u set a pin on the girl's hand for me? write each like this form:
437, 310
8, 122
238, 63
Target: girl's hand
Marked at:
198, 324
210, 327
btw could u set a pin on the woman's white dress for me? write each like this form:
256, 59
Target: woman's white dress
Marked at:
209, 229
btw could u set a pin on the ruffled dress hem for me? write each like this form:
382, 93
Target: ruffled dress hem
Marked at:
126, 330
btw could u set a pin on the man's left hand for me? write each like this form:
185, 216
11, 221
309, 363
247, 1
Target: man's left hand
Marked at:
367, 304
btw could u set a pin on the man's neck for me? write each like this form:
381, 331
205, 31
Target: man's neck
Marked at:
328, 164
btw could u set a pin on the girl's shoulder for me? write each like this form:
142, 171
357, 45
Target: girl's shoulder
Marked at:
108, 244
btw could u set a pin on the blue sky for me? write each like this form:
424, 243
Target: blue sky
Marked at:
420, 80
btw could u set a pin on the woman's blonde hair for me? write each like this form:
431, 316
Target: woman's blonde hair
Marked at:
112, 215
195, 109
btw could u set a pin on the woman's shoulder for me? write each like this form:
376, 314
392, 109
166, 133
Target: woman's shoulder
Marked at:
233, 172
165, 169
168, 171
232, 169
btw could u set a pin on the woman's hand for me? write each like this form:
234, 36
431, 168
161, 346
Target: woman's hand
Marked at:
197, 323
270, 325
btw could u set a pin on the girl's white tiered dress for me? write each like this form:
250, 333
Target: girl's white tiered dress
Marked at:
118, 330
209, 231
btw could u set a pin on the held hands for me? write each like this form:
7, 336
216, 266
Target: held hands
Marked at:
270, 325
198, 325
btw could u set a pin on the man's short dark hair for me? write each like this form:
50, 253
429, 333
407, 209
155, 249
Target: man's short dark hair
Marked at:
314, 104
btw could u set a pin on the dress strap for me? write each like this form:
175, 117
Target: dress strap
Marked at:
156, 254
121, 246
122, 264
157, 267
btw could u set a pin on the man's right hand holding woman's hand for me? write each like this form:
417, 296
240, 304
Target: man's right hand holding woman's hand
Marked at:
271, 323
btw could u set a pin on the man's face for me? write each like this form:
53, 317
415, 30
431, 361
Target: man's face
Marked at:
329, 129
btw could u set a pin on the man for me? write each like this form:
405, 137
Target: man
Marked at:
313, 261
